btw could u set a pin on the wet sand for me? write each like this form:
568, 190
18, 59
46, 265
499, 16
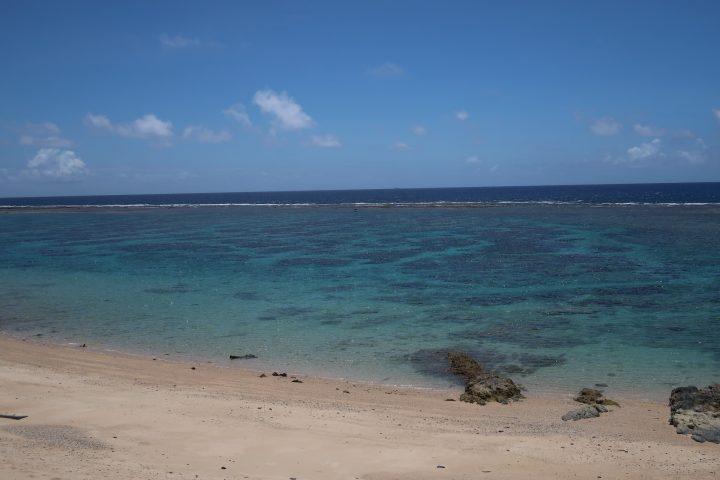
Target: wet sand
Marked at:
111, 415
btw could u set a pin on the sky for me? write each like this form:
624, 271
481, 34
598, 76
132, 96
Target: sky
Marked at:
170, 97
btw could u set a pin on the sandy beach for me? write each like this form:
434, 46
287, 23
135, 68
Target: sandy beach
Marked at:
98, 415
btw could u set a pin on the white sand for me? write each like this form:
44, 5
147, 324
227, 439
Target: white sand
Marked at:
95, 415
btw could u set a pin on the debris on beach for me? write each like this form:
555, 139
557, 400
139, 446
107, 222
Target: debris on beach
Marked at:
696, 412
276, 374
595, 401
481, 386
13, 417
247, 356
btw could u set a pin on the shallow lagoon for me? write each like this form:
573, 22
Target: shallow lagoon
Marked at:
557, 295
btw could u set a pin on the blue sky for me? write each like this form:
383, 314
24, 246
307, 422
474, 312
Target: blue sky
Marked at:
153, 97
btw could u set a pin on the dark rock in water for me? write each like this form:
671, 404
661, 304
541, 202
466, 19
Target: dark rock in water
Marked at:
461, 363
592, 396
481, 386
601, 385
588, 411
276, 374
696, 412
243, 357
589, 396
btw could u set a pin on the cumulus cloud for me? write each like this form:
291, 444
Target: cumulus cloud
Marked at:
645, 150
55, 163
286, 112
326, 141
419, 130
648, 130
387, 69
238, 113
43, 135
676, 150
205, 135
462, 115
147, 126
400, 146
98, 121
605, 126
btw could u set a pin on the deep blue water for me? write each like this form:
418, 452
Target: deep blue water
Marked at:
634, 193
612, 284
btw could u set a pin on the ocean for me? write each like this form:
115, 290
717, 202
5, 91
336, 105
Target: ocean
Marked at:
559, 287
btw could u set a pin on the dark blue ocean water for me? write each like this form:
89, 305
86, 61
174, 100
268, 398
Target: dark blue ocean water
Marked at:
612, 284
635, 193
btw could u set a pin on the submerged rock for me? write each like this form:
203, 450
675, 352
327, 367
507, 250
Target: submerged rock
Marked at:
696, 412
481, 386
462, 364
588, 411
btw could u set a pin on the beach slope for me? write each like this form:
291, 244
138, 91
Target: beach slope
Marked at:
109, 415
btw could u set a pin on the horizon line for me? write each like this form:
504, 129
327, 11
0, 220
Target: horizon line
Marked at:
361, 189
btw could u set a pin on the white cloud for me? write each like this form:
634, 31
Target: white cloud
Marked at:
696, 153
147, 126
716, 111
287, 113
472, 159
387, 69
56, 164
400, 146
238, 113
648, 130
693, 157
645, 150
462, 115
605, 126
43, 135
179, 41
326, 141
205, 135
98, 121
419, 130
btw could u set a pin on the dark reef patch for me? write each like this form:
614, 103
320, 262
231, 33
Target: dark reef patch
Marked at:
433, 362
249, 296
170, 290
313, 262
538, 332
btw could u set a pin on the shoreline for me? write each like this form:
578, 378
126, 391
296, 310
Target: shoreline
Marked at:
133, 417
657, 395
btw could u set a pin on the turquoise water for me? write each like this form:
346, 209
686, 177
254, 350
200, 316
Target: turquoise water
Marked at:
559, 296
